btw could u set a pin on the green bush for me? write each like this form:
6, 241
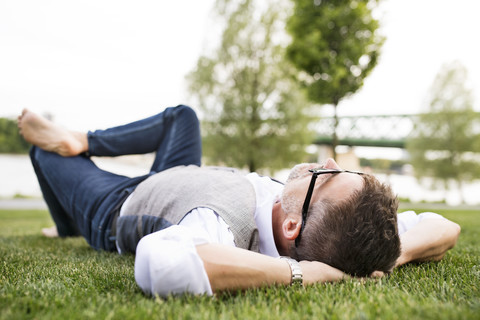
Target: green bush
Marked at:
10, 139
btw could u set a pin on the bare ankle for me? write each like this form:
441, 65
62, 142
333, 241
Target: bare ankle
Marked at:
82, 140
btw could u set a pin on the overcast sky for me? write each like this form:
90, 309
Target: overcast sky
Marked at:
98, 63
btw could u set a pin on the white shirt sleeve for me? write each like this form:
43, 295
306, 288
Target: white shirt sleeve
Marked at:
167, 261
408, 219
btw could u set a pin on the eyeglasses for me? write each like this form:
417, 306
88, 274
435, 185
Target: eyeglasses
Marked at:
315, 172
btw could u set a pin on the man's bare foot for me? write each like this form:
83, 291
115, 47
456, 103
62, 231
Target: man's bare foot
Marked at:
49, 136
51, 232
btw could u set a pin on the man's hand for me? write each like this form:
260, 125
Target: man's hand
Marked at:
318, 272
429, 240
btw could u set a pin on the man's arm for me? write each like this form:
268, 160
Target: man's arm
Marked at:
176, 260
428, 240
230, 268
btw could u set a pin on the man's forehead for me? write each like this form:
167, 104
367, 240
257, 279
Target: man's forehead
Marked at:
339, 185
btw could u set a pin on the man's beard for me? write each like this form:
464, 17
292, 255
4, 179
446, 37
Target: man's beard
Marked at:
301, 170
290, 204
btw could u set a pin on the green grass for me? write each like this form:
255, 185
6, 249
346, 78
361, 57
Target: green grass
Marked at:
65, 279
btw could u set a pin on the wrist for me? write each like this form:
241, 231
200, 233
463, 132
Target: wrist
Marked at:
296, 275
402, 259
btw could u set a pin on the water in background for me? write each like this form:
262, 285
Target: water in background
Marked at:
17, 177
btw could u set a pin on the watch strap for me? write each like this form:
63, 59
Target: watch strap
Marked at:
296, 271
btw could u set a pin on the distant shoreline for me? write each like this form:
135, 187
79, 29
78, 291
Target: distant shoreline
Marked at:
18, 178
39, 203
23, 204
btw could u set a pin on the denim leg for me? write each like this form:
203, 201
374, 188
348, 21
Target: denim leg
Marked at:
80, 196
66, 226
174, 136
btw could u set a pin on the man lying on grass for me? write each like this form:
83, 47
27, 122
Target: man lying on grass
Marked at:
201, 229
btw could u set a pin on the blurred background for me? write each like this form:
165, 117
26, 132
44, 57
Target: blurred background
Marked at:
274, 83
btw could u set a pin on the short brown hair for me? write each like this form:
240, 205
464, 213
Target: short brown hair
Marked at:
358, 235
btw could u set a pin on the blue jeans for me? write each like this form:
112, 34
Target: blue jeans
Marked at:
82, 198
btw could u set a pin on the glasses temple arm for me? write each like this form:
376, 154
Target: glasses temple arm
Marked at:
306, 204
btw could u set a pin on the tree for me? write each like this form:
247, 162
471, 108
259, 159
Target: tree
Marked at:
10, 139
336, 45
253, 113
445, 139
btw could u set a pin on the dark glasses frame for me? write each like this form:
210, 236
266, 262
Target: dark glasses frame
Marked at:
306, 204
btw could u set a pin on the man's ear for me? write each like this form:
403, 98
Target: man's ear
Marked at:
291, 228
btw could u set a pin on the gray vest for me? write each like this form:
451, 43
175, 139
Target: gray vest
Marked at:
173, 193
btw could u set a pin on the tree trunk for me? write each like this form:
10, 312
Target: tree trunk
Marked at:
251, 165
460, 191
334, 136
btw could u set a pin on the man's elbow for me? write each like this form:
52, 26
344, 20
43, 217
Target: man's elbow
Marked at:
452, 232
455, 233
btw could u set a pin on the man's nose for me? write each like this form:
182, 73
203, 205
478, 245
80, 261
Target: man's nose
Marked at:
331, 164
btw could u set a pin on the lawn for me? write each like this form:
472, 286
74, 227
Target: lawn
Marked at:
65, 279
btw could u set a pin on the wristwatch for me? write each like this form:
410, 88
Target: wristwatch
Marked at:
296, 270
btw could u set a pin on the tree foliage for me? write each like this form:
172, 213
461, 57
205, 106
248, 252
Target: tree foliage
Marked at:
444, 142
336, 44
10, 139
253, 112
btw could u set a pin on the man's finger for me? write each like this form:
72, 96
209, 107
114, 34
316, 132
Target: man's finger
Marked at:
377, 274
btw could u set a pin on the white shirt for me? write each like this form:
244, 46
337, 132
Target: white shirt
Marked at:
167, 262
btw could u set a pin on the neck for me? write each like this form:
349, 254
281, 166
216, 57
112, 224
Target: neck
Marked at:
277, 220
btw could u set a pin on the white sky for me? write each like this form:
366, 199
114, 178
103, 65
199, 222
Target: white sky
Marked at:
98, 63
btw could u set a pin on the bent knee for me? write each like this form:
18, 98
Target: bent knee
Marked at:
39, 156
186, 111
34, 153
187, 115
